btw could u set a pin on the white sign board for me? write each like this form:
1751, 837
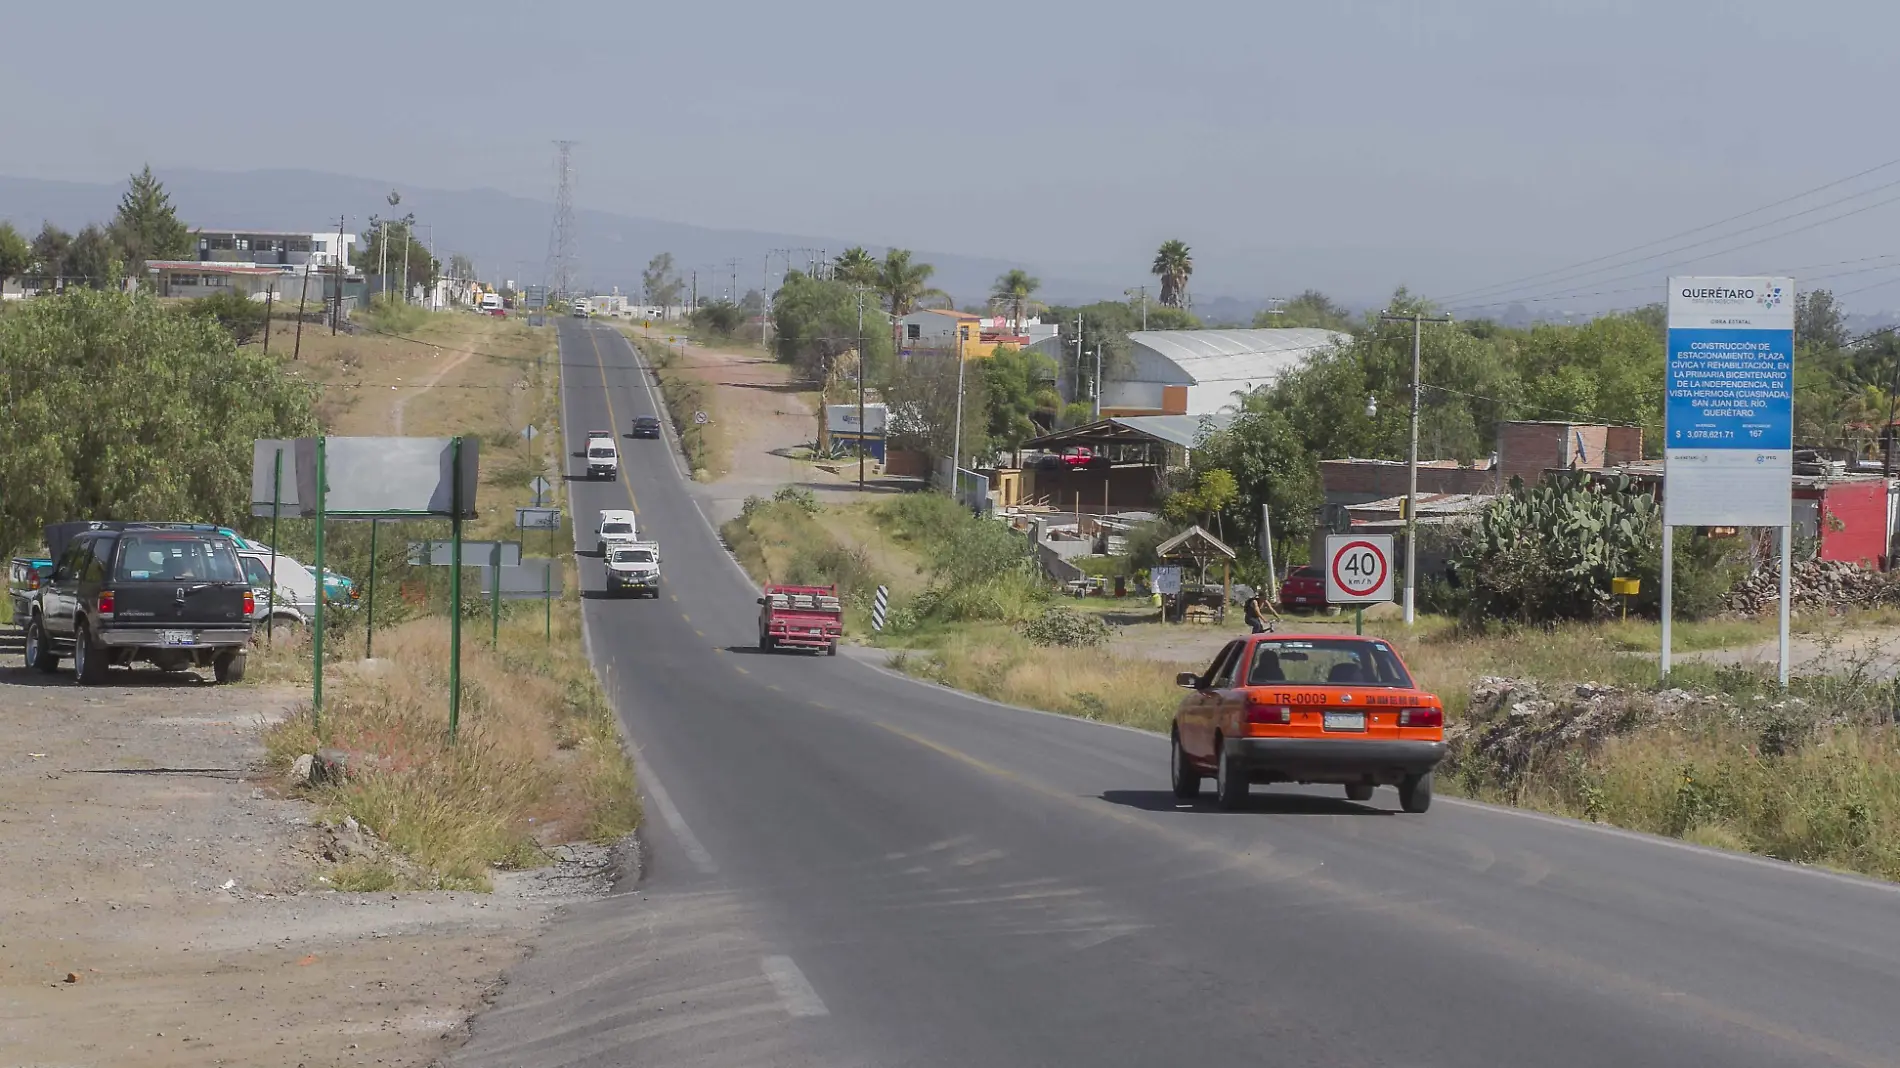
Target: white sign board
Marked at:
843, 419
381, 477
1358, 568
538, 518
1166, 580
1728, 429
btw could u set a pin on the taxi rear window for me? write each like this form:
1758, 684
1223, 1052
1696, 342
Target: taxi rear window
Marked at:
1326, 662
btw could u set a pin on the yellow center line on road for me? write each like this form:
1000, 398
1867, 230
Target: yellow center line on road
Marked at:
740, 670
701, 633
1260, 861
613, 418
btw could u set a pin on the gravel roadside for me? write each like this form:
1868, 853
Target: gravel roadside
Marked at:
162, 901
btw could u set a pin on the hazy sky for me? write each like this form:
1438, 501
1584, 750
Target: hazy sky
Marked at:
1347, 144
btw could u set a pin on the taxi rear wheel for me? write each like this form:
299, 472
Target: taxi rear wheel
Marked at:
1230, 782
1186, 777
1359, 791
1415, 792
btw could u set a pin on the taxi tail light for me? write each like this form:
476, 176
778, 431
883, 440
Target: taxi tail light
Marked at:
1422, 717
1264, 713
250, 602
108, 601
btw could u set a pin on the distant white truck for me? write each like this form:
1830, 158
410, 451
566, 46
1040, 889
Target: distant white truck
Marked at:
581, 307
633, 567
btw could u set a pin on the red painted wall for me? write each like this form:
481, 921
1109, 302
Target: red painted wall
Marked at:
1854, 522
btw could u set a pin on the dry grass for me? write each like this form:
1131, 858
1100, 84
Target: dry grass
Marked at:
994, 661
683, 393
538, 758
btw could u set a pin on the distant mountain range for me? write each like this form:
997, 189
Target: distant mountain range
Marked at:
506, 236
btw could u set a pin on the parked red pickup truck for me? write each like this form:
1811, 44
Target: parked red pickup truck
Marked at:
801, 617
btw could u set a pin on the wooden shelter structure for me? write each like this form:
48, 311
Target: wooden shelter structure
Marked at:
1197, 547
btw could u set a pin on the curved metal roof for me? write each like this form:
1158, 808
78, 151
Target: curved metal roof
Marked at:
1254, 356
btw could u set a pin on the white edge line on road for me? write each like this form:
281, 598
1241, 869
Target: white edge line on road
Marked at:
1750, 859
649, 784
794, 990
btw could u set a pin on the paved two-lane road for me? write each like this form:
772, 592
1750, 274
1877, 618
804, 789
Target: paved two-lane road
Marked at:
848, 868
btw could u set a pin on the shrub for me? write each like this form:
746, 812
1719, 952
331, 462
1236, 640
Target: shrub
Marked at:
1066, 627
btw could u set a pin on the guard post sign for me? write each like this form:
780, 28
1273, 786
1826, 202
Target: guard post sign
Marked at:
1358, 568
1728, 433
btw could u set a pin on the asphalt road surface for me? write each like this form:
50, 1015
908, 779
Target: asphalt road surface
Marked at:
849, 868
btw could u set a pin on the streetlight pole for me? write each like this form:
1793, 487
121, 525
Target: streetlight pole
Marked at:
1418, 322
861, 434
956, 446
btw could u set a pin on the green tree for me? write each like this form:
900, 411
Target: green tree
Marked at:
816, 323
1173, 265
147, 226
661, 281
15, 254
1014, 288
922, 394
1270, 465
720, 319
399, 235
1819, 321
239, 315
905, 284
113, 407
854, 266
49, 251
1310, 309
1021, 387
91, 259
1215, 490
461, 267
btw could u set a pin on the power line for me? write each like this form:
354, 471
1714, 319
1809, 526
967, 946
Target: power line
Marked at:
1514, 283
1722, 237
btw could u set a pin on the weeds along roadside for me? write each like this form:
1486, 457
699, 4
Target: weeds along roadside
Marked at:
1812, 776
538, 760
684, 395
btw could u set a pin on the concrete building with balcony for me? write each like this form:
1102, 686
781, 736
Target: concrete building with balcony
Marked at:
941, 330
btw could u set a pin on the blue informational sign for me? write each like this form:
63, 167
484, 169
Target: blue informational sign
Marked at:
1728, 427
1731, 389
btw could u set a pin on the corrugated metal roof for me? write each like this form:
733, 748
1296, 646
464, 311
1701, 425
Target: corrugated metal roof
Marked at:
1254, 356
208, 267
1182, 430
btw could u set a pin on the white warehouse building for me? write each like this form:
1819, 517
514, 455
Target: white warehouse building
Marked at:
1197, 372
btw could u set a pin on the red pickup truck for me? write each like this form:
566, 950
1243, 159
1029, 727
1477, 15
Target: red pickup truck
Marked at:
801, 617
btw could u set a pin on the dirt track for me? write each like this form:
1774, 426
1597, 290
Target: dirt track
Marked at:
161, 904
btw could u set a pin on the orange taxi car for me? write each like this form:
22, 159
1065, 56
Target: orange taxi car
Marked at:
1307, 709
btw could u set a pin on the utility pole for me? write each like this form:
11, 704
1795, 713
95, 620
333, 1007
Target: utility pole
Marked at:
956, 447
765, 286
1418, 322
296, 347
1078, 355
342, 257
1098, 381
270, 298
695, 289
861, 394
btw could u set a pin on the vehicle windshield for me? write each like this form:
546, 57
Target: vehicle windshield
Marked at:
634, 556
1327, 661
597, 453
616, 528
176, 558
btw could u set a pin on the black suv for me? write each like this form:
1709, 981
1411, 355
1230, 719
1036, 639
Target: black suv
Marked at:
646, 426
172, 595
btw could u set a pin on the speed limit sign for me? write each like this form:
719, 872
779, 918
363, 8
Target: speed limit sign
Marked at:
1358, 568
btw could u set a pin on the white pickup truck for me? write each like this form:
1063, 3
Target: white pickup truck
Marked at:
634, 567
614, 528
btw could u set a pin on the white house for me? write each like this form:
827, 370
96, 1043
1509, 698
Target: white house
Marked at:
1197, 372
193, 278
941, 330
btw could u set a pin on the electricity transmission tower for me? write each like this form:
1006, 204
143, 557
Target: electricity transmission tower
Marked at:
562, 265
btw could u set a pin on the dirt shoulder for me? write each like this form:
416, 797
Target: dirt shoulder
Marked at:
768, 421
163, 903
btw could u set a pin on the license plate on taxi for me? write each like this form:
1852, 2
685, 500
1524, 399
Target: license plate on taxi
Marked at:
1345, 721
175, 637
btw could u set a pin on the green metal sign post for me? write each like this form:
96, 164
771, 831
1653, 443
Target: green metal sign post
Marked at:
369, 626
494, 594
455, 589
316, 638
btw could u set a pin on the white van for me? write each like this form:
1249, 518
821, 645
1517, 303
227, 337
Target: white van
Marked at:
603, 458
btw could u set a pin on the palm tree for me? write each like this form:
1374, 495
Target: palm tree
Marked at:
1173, 265
906, 284
854, 266
1014, 287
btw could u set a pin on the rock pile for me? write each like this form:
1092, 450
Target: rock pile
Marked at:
1816, 586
